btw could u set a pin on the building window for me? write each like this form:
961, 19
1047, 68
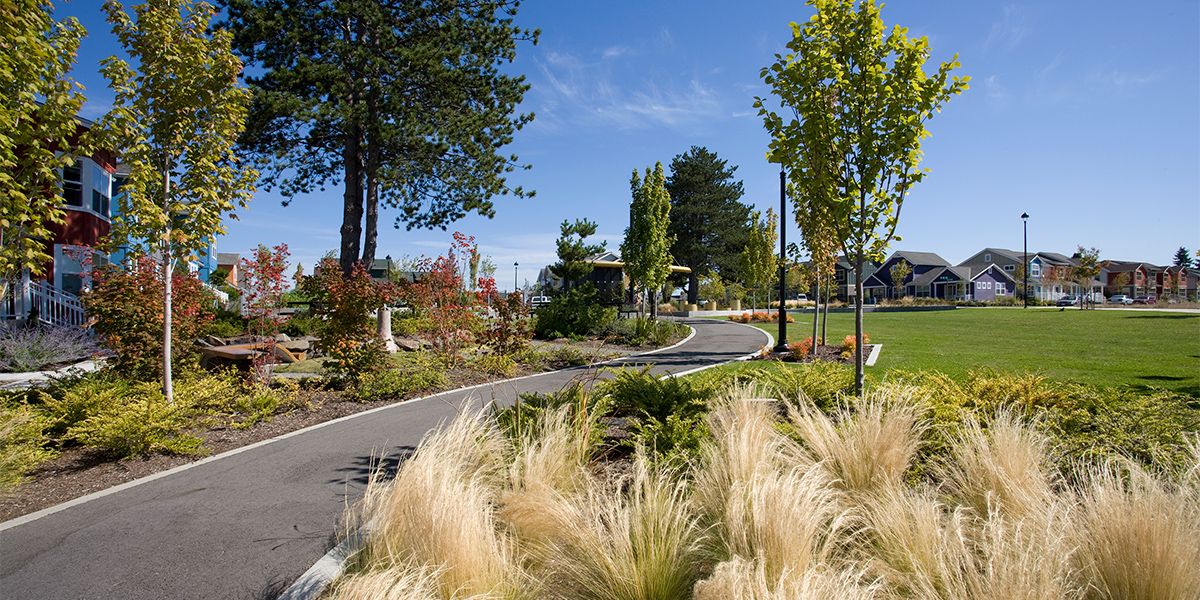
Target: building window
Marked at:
1010, 267
1035, 270
73, 184
1000, 289
101, 190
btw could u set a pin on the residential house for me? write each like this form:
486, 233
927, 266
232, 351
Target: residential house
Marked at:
231, 263
607, 275
879, 284
843, 276
1139, 278
87, 186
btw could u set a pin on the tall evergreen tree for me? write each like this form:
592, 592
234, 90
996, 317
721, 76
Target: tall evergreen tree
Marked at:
1183, 258
708, 222
402, 102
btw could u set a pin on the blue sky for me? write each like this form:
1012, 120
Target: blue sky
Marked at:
1084, 114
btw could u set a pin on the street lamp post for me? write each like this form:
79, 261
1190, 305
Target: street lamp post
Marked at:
515, 265
1025, 231
782, 346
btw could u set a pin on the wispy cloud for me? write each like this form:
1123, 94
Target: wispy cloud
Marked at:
1008, 32
996, 91
615, 52
572, 93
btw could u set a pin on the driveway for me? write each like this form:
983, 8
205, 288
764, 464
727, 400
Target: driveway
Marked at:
247, 523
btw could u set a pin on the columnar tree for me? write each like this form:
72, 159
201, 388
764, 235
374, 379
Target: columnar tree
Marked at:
759, 262
402, 102
859, 99
710, 226
176, 120
646, 250
37, 127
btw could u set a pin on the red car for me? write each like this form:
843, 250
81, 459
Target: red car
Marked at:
1144, 300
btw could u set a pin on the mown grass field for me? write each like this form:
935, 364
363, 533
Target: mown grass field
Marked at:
1108, 348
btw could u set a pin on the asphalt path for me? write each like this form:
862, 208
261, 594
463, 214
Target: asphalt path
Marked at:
247, 523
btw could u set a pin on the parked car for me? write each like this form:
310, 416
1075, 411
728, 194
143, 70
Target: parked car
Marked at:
1068, 301
802, 297
1120, 299
1144, 300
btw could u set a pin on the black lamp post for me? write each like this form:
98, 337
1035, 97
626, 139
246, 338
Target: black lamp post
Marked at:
515, 264
1025, 228
782, 346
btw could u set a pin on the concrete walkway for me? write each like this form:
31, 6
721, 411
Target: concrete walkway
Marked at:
247, 523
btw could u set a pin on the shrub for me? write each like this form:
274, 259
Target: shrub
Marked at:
1084, 423
139, 424
22, 444
496, 365
345, 305
798, 351
424, 372
24, 349
128, 307
638, 393
509, 331
573, 313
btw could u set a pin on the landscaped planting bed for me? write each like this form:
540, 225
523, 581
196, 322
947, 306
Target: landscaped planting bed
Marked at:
921, 490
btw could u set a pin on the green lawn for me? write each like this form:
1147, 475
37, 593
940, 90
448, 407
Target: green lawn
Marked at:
1105, 348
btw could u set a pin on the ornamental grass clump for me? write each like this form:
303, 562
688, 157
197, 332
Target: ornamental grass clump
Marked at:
815, 506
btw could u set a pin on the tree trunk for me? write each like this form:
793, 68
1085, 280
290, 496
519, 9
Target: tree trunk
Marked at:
372, 176
370, 228
816, 313
858, 323
693, 287
825, 317
168, 389
352, 212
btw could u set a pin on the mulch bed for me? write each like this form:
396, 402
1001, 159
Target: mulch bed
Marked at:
81, 471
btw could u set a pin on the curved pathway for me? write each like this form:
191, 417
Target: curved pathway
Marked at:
247, 523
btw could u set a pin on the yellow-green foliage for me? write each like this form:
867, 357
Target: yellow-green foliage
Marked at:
1084, 423
823, 382
21, 444
139, 423
424, 373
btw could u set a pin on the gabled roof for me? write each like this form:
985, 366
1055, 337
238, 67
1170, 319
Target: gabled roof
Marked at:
1058, 258
919, 258
1119, 266
996, 269
605, 256
228, 258
1009, 254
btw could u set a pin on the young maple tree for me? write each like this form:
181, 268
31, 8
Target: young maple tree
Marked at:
265, 282
859, 98
446, 311
346, 304
127, 306
176, 121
